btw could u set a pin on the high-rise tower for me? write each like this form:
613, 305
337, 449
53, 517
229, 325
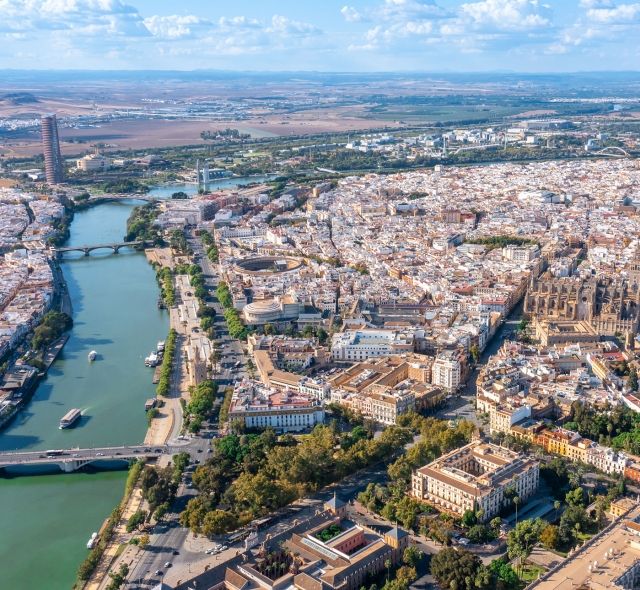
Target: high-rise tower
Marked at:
51, 147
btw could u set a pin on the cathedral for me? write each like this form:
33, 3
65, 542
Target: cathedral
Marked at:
610, 305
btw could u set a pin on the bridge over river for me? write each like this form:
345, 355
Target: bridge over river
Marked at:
115, 246
69, 460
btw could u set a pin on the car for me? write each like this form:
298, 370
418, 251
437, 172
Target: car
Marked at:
99, 454
136, 450
176, 552
158, 572
224, 548
209, 450
158, 451
199, 450
168, 564
76, 455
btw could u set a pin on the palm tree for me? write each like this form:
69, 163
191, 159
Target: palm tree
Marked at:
516, 503
387, 564
556, 506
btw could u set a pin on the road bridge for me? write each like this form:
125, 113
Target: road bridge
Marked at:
115, 247
69, 460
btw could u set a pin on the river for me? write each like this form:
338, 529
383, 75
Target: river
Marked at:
45, 521
164, 191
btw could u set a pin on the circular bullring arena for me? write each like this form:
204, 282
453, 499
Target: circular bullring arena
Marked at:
267, 265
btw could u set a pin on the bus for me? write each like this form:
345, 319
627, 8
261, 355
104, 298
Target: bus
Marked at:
54, 453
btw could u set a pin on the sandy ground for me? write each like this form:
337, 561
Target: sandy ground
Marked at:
138, 134
100, 578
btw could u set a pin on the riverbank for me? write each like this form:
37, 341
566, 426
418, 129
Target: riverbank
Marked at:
114, 312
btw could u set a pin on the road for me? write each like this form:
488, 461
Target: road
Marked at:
100, 453
463, 406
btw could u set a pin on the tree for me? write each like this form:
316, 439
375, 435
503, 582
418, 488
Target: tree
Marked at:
118, 578
549, 536
632, 381
143, 540
575, 497
458, 569
387, 564
412, 556
469, 518
523, 537
506, 577
475, 353
136, 519
217, 522
516, 503
251, 369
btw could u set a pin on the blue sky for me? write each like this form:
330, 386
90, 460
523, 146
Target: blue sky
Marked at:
328, 35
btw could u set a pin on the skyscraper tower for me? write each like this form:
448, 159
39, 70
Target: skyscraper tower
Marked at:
51, 147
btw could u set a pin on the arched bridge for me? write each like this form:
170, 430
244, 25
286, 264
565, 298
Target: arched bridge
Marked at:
69, 460
115, 247
613, 151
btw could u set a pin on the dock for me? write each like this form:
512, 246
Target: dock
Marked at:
156, 374
54, 350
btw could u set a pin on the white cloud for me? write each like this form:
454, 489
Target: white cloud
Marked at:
175, 26
623, 13
350, 14
282, 25
507, 15
112, 17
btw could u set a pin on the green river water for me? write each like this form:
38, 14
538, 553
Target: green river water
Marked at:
46, 520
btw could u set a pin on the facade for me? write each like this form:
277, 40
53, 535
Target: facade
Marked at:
388, 387
53, 164
258, 406
93, 163
271, 311
360, 345
609, 305
475, 477
447, 371
303, 561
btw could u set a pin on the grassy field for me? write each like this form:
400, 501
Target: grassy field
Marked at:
530, 572
438, 113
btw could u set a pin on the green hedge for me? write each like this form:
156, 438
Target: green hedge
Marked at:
164, 383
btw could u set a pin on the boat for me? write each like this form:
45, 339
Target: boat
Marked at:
160, 347
70, 418
92, 355
91, 543
151, 360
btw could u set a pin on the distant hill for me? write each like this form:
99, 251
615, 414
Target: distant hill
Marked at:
19, 98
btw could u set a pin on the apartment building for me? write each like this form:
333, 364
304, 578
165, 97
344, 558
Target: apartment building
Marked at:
475, 477
447, 371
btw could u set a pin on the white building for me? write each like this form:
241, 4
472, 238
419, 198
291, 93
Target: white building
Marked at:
93, 163
446, 372
258, 406
359, 345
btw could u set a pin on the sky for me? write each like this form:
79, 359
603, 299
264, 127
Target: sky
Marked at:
321, 35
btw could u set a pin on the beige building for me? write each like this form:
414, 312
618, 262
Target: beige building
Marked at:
475, 477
